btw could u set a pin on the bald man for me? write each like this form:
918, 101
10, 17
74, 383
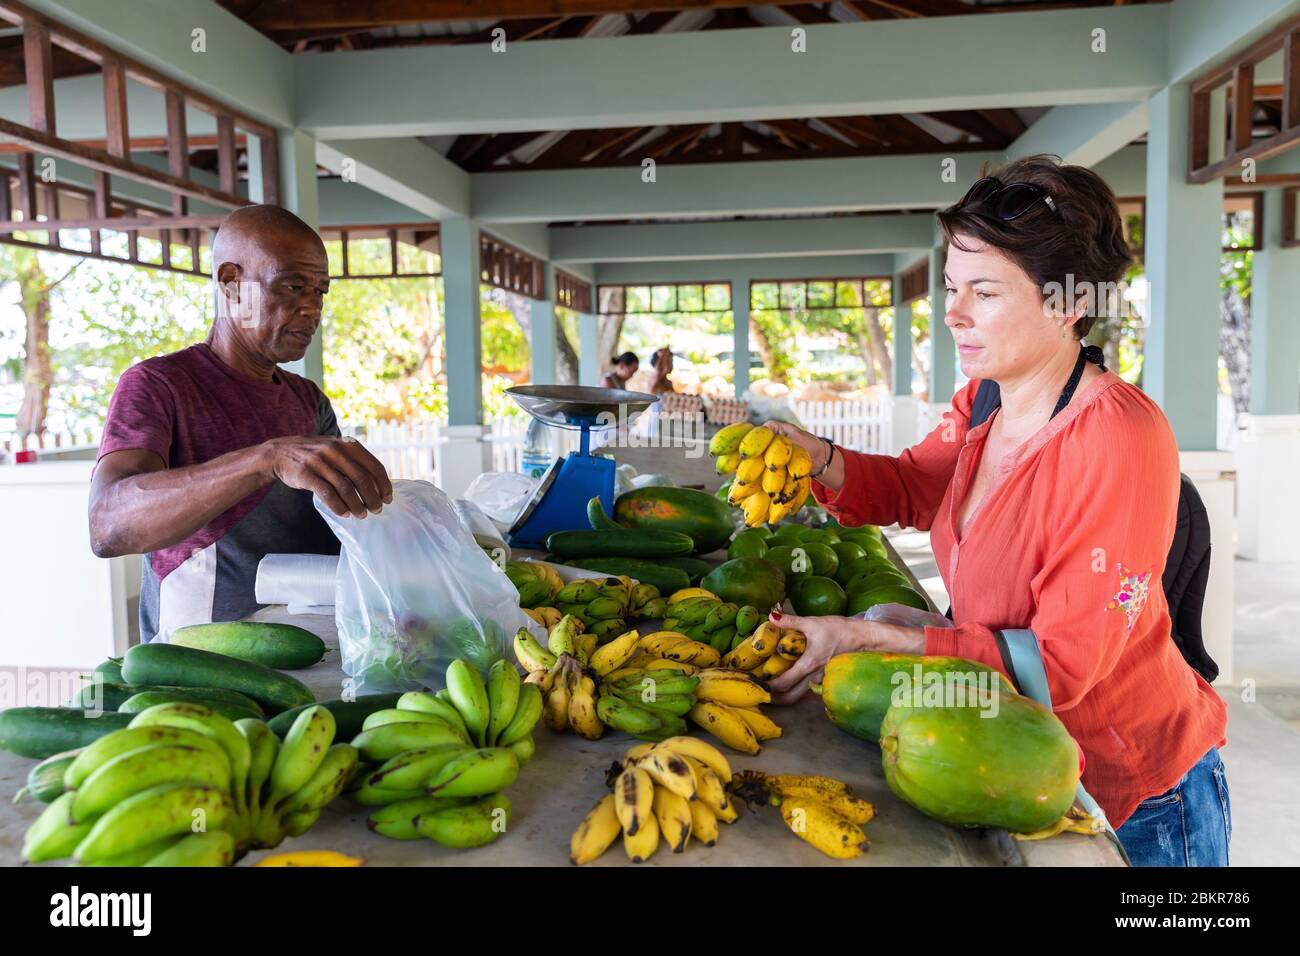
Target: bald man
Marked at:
211, 455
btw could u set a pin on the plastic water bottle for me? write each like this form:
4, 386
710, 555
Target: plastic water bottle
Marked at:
538, 453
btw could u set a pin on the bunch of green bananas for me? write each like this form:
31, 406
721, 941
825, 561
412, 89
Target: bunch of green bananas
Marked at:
710, 620
650, 705
438, 763
536, 581
588, 687
603, 605
182, 785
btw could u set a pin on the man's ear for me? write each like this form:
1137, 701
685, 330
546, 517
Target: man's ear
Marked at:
228, 276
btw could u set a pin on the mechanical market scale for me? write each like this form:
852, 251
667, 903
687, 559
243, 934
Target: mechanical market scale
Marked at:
560, 501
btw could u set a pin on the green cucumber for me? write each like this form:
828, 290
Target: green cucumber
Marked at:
598, 518
176, 666
348, 714
40, 732
45, 780
695, 568
152, 698
112, 670
105, 696
666, 579
623, 543
284, 646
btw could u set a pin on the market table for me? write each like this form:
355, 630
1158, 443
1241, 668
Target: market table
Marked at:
566, 778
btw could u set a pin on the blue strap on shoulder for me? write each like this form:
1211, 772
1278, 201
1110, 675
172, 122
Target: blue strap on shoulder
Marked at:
1021, 653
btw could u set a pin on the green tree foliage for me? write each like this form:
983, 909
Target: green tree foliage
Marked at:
104, 318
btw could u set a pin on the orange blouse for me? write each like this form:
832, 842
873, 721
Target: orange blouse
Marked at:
1070, 540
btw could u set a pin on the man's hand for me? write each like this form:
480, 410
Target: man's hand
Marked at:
338, 471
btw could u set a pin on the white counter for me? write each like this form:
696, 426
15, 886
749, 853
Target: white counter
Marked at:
60, 605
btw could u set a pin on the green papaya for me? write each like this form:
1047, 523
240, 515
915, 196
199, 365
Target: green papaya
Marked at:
858, 688
1012, 765
747, 580
702, 516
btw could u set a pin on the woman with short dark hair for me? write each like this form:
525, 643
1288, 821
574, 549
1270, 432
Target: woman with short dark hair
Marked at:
623, 368
1054, 515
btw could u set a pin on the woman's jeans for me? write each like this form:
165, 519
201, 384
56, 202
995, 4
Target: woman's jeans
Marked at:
1190, 825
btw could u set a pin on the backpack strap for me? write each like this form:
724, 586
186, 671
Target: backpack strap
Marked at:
1024, 659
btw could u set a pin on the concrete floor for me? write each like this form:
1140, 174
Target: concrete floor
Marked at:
1263, 751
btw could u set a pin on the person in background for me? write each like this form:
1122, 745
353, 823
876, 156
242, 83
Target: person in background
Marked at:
624, 367
662, 363
211, 455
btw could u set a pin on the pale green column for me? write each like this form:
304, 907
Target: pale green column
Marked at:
541, 330
461, 279
740, 334
902, 338
943, 351
298, 194
588, 346
1184, 225
1274, 318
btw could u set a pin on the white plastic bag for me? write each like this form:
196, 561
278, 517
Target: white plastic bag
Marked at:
415, 591
501, 494
903, 615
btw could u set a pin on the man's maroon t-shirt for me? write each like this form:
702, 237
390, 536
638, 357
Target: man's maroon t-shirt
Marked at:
189, 408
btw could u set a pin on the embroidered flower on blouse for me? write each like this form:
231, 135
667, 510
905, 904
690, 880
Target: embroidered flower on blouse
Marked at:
1131, 597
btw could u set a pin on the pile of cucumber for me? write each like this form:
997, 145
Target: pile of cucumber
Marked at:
649, 555
230, 667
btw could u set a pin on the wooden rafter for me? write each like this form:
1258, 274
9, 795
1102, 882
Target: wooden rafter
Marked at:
974, 123
652, 22
731, 18
810, 13
803, 131
348, 14
499, 146
41, 37
1239, 73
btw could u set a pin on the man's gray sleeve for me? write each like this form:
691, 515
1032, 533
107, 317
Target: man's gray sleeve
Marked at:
326, 423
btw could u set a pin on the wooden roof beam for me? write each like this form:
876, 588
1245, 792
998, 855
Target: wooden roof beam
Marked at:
348, 14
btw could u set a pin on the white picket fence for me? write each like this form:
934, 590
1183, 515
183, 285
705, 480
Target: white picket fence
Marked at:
410, 449
865, 425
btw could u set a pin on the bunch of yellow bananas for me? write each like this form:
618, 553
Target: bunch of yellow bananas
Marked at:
821, 811
771, 474
667, 792
767, 653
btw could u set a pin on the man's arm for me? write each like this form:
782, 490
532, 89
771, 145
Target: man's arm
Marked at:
138, 504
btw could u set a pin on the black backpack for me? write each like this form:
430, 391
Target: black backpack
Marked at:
1186, 568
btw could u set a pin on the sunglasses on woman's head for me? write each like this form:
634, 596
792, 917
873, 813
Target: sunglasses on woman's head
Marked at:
1009, 201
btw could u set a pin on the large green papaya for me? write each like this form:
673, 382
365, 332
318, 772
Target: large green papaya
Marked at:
702, 516
1012, 765
747, 580
858, 688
